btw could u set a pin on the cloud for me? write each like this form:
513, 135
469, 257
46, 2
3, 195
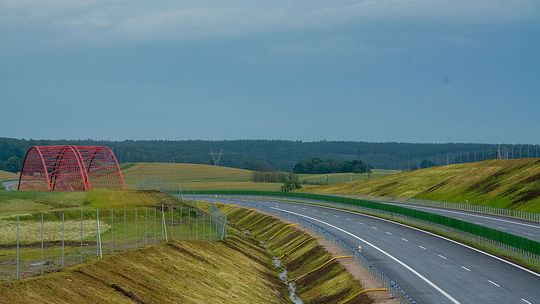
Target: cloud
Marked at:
120, 20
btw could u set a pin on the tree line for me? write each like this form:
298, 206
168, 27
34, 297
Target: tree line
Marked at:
319, 166
272, 155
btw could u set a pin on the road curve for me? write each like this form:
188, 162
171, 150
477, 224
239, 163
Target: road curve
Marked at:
430, 268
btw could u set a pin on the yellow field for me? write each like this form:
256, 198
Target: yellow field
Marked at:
497, 183
191, 177
8, 175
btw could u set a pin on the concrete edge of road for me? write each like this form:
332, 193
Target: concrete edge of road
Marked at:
467, 243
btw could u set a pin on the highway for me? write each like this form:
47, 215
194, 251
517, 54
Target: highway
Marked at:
428, 267
522, 228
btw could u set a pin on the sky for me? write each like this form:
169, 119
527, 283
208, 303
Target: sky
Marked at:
368, 70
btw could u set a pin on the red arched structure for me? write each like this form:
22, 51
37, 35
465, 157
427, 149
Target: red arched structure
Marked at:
70, 168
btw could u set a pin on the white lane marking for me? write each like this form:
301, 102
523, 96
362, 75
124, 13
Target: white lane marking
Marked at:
478, 223
442, 257
336, 215
475, 215
348, 219
405, 240
374, 227
437, 236
325, 212
502, 228
529, 234
389, 233
440, 290
525, 301
494, 283
313, 210
422, 247
360, 223
304, 208
465, 268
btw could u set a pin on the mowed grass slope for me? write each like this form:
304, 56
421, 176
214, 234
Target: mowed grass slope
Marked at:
191, 177
513, 184
4, 175
180, 272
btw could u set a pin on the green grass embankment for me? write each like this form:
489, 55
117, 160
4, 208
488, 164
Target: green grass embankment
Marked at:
317, 280
234, 271
513, 184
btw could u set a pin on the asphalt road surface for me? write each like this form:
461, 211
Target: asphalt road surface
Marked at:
428, 267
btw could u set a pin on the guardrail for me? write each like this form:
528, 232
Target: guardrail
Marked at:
499, 242
522, 215
394, 288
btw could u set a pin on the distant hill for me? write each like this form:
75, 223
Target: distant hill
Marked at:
278, 154
511, 184
8, 175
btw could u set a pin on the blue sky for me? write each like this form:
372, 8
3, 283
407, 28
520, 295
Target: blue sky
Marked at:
372, 70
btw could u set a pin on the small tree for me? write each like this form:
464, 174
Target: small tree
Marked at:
290, 183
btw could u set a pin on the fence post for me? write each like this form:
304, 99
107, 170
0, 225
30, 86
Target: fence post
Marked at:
99, 252
155, 224
196, 224
210, 222
42, 243
136, 229
81, 249
203, 226
189, 223
17, 237
172, 222
62, 261
125, 228
181, 227
112, 230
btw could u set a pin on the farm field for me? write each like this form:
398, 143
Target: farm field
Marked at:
4, 175
191, 177
513, 184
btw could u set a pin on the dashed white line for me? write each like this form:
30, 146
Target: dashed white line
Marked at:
360, 223
465, 268
336, 215
423, 278
525, 301
494, 283
478, 223
529, 234
374, 227
442, 257
502, 228
405, 240
390, 233
313, 210
304, 208
348, 219
422, 247
325, 212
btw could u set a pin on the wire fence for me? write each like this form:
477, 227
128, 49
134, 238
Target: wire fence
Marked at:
397, 292
522, 215
34, 244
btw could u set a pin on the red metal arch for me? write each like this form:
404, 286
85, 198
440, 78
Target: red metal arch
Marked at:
70, 168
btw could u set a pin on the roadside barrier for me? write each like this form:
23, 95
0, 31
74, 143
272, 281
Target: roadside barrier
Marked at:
517, 214
386, 282
499, 242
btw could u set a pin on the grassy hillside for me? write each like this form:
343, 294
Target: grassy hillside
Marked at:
336, 178
511, 184
15, 202
181, 272
4, 175
191, 177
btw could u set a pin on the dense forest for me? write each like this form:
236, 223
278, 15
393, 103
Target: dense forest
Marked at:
268, 155
319, 166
